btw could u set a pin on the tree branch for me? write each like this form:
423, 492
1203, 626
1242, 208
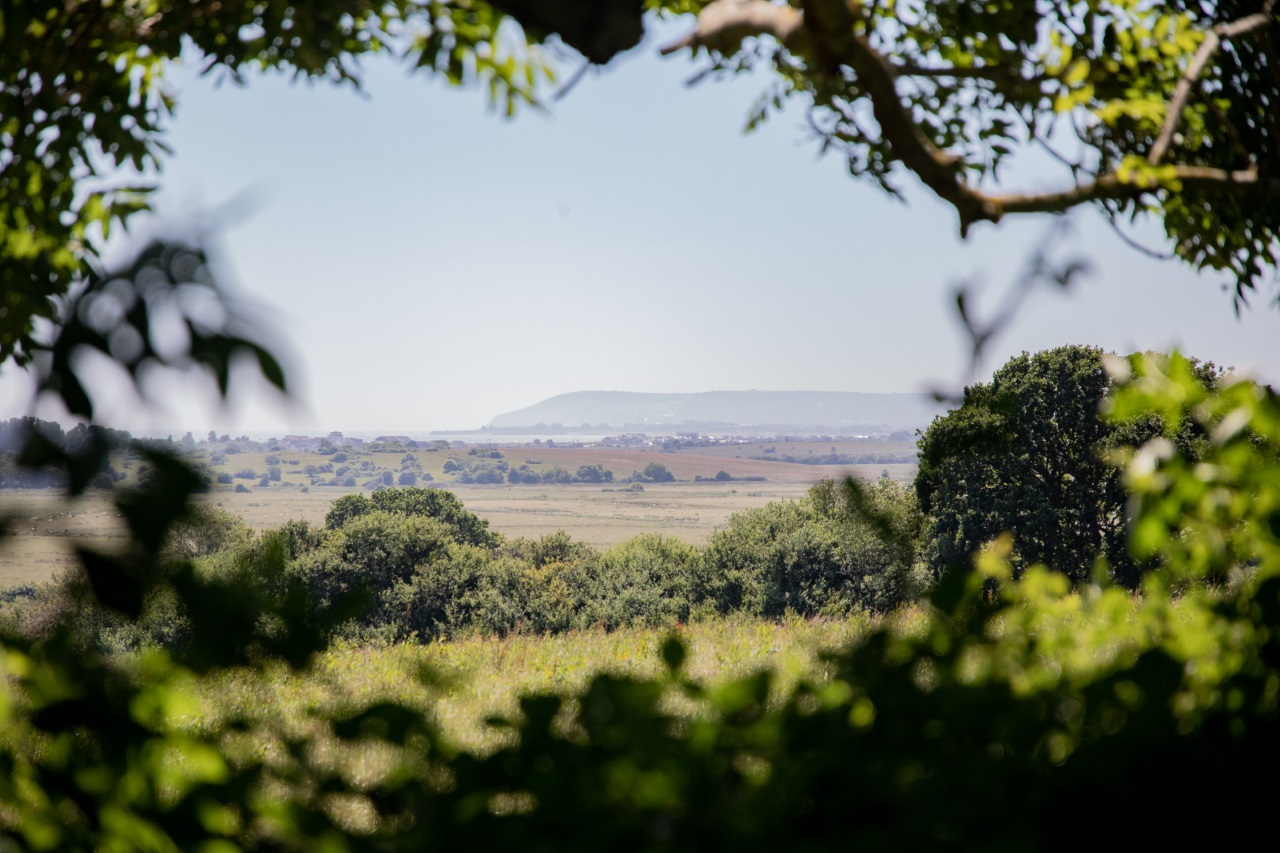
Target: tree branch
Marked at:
824, 34
1182, 92
724, 24
1244, 183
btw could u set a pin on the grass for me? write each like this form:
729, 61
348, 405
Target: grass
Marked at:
461, 683
46, 526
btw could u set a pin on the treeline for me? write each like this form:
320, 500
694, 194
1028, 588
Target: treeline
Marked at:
485, 469
17, 472
840, 458
424, 567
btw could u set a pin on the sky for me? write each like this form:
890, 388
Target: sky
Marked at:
428, 264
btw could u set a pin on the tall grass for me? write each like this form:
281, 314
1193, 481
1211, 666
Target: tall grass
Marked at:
461, 683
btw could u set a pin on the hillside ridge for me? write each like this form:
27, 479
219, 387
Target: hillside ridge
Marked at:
833, 410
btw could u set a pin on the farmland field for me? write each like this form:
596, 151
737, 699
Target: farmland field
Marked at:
601, 514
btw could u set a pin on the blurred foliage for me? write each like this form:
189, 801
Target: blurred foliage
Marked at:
1019, 702
1016, 696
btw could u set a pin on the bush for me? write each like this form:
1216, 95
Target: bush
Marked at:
556, 474
240, 487
656, 472
819, 555
645, 581
593, 474
469, 529
468, 590
205, 530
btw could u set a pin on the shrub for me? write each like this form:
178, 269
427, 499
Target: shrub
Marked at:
656, 472
594, 474
819, 555
467, 590
205, 530
431, 503
645, 581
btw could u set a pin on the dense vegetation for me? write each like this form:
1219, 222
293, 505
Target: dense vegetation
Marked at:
423, 567
1028, 454
1023, 714
1011, 697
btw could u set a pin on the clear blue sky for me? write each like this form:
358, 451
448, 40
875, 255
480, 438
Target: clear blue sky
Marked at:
430, 264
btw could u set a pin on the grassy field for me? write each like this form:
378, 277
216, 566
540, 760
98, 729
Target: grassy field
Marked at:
468, 680
43, 527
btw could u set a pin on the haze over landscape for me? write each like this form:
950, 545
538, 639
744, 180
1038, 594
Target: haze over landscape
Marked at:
429, 264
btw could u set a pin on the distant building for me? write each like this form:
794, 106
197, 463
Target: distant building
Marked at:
301, 442
395, 439
627, 439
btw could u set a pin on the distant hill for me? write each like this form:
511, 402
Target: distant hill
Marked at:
777, 411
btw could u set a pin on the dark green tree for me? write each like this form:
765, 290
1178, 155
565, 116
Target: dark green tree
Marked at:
1029, 453
656, 472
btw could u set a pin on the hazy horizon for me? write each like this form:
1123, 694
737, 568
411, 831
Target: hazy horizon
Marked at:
430, 265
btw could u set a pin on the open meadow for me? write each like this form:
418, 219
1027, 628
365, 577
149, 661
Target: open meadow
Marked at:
461, 683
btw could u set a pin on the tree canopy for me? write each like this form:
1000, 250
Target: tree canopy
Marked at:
1167, 110
1030, 453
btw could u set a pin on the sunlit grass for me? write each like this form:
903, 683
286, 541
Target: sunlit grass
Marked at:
462, 682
